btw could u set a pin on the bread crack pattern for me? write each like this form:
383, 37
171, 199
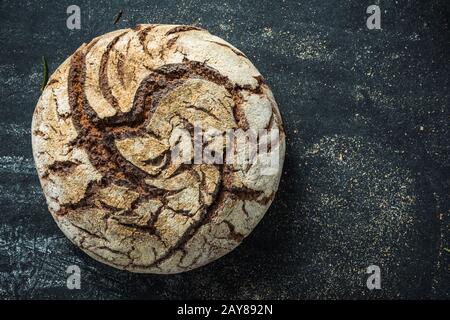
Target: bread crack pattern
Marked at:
102, 137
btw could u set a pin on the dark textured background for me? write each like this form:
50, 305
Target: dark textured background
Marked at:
366, 179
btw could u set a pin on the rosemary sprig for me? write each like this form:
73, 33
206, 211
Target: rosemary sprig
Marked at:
117, 16
45, 79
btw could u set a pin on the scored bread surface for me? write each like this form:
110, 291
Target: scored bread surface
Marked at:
101, 137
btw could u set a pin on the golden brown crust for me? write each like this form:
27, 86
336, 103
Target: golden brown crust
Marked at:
101, 136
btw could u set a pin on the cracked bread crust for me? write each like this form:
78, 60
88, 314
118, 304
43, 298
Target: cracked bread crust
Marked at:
101, 143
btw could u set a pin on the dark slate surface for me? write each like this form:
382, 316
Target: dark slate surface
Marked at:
366, 179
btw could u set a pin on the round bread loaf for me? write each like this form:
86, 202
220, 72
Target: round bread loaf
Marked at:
105, 130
